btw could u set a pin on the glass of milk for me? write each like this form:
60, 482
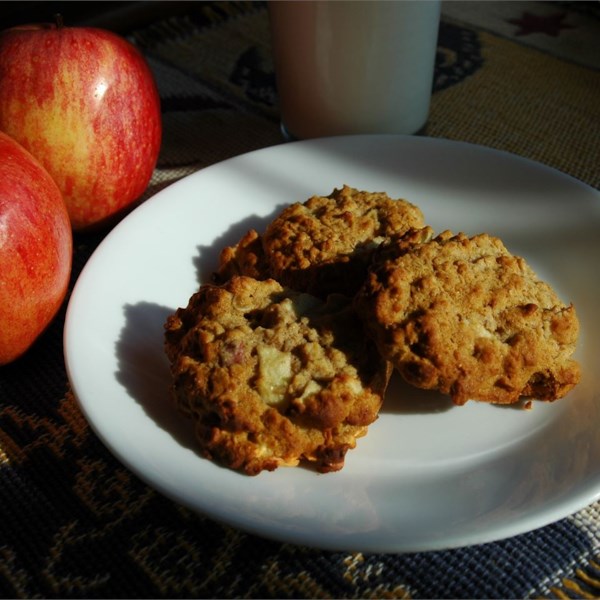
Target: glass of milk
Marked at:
351, 67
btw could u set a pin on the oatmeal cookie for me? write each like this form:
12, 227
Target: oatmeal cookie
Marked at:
464, 316
272, 377
324, 244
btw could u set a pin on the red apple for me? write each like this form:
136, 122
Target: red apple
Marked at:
35, 249
84, 102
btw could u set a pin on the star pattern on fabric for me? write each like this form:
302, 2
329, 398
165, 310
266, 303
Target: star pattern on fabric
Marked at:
549, 24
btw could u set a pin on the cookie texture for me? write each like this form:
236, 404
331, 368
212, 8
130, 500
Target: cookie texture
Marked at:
272, 377
324, 244
463, 316
247, 257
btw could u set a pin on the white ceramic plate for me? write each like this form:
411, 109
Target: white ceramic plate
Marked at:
428, 475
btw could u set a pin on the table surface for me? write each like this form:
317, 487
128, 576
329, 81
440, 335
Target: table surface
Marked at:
523, 77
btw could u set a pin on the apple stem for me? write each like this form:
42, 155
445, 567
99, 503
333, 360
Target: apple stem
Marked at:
59, 21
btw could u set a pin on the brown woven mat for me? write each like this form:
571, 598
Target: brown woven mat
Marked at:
546, 109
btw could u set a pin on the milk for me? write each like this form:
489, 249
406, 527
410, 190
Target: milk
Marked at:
347, 67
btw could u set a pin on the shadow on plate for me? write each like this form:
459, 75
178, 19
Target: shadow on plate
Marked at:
207, 260
402, 398
144, 369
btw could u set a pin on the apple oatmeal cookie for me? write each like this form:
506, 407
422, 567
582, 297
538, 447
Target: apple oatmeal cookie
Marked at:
324, 244
462, 315
273, 377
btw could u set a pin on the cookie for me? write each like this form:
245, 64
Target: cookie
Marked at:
463, 316
272, 377
324, 245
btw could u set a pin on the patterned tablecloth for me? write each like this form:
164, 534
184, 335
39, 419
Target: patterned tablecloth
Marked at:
517, 76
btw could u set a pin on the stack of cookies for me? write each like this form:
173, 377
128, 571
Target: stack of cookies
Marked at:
286, 356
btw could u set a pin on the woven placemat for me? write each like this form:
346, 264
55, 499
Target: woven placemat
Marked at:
547, 109
78, 524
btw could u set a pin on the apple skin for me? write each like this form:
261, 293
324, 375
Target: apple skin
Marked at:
36, 244
84, 102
